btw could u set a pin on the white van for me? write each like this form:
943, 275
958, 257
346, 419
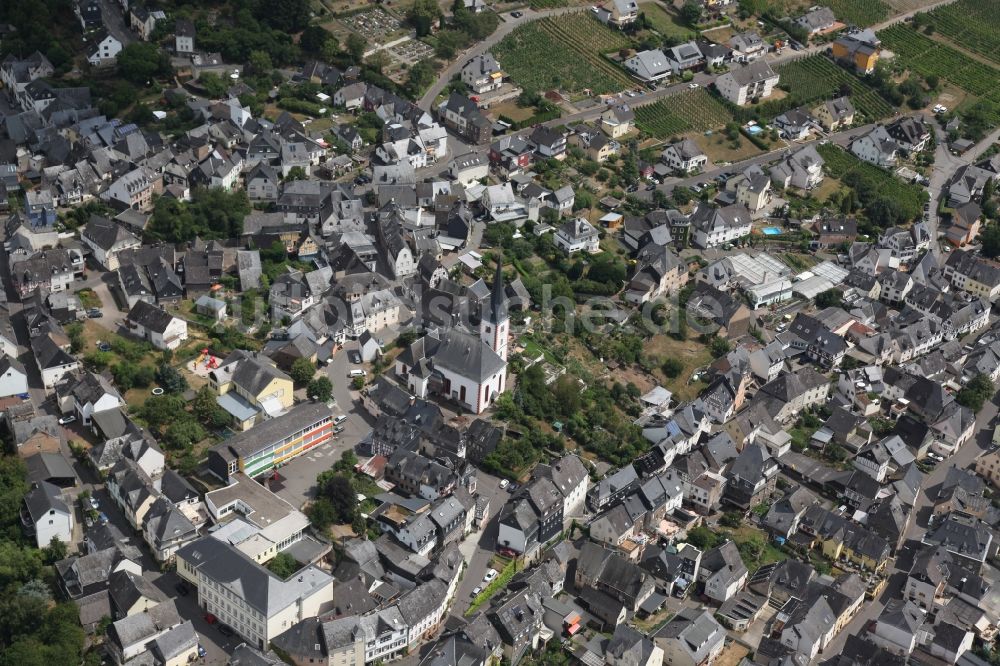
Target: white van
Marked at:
356, 373
337, 420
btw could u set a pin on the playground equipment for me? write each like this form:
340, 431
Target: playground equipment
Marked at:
212, 362
201, 356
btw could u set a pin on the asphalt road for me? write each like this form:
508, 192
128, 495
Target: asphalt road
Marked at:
116, 22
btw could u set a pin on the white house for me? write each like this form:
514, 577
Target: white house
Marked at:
649, 65
134, 189
161, 329
46, 516
482, 74
106, 239
184, 36
92, 394
104, 51
684, 156
13, 378
743, 84
469, 169
712, 227
577, 235
876, 147
244, 595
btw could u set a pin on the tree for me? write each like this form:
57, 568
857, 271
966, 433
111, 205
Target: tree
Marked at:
283, 565
259, 62
289, 16
320, 389
690, 13
673, 367
170, 379
339, 492
356, 46
990, 239
321, 513
183, 434
703, 538
718, 347
358, 383
302, 371
731, 519
159, 410
141, 61
207, 410
295, 173
976, 393
831, 298
422, 15
55, 551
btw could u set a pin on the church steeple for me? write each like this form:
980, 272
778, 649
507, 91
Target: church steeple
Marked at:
498, 297
495, 325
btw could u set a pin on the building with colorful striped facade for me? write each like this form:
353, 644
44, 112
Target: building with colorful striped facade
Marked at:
273, 442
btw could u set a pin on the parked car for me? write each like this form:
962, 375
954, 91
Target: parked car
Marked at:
211, 619
504, 483
94, 504
182, 588
94, 313
356, 372
226, 630
338, 420
490, 575
67, 419
476, 590
516, 14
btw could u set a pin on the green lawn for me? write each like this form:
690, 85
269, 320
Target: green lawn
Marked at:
664, 23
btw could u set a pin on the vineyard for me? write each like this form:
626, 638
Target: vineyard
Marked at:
868, 178
925, 56
690, 111
857, 12
975, 24
538, 5
563, 53
816, 78
811, 79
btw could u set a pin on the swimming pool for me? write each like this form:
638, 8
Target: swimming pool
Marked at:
754, 130
771, 231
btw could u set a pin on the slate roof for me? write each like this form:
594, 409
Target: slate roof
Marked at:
150, 317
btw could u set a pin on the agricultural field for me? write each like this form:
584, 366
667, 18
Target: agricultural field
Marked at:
973, 24
855, 12
564, 53
815, 78
924, 56
690, 111
539, 5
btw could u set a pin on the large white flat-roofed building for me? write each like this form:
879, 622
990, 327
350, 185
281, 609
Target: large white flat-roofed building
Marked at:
272, 442
249, 516
241, 593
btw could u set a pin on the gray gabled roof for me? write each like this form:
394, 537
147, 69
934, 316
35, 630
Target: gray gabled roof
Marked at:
43, 498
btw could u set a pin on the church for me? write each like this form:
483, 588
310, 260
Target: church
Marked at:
468, 369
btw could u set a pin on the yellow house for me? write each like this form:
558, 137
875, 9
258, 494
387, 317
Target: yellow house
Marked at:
834, 114
859, 547
860, 51
251, 388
